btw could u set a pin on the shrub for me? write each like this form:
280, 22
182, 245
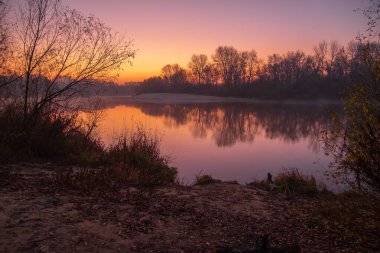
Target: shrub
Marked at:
140, 154
137, 149
205, 180
55, 136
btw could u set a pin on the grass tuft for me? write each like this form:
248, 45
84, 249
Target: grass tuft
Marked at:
292, 181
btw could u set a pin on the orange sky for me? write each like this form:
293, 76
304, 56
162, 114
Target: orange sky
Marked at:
170, 31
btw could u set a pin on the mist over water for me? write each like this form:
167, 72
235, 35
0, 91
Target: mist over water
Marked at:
230, 141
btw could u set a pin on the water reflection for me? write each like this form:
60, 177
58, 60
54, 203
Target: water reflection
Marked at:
231, 141
232, 123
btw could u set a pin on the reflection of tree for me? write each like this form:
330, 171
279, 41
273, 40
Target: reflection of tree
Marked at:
235, 125
242, 122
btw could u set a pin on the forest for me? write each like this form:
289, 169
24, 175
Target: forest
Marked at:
230, 72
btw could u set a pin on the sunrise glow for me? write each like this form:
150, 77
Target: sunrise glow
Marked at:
167, 32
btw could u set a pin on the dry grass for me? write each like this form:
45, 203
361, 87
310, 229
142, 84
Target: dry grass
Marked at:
291, 181
350, 216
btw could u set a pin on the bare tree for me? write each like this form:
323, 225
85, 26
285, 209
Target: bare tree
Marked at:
293, 64
59, 51
226, 60
320, 53
240, 74
252, 66
5, 52
273, 67
335, 47
212, 74
7, 74
174, 74
167, 72
197, 66
3, 34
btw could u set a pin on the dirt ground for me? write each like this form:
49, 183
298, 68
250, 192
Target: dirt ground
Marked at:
36, 217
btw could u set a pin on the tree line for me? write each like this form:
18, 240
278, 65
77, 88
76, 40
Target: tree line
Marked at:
229, 71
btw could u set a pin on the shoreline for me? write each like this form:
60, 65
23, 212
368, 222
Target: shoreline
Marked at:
182, 98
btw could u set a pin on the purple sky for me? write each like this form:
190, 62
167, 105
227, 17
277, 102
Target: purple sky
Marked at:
170, 31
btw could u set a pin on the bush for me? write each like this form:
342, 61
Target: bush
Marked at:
137, 149
205, 180
140, 154
55, 136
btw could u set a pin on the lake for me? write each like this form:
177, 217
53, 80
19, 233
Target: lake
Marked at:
228, 140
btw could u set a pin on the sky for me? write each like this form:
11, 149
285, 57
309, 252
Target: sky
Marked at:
171, 31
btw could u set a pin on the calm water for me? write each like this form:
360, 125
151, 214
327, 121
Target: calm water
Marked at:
231, 141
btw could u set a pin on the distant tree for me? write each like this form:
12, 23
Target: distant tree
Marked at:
154, 80
174, 74
309, 69
58, 51
293, 64
226, 60
197, 66
335, 65
252, 66
5, 52
167, 73
340, 67
240, 74
3, 34
274, 67
179, 77
320, 54
212, 74
353, 60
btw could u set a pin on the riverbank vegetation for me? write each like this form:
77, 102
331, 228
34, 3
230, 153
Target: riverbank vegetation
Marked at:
353, 140
290, 182
59, 53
